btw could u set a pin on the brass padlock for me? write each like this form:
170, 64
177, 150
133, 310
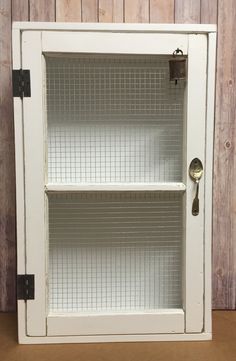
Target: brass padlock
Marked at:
177, 66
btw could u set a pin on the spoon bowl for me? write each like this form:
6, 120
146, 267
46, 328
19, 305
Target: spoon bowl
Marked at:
196, 170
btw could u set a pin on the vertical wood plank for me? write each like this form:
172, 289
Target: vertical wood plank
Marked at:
43, 10
224, 195
68, 10
111, 11
20, 10
7, 168
187, 11
162, 11
136, 11
209, 11
89, 10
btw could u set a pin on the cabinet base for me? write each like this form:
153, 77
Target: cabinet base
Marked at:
115, 338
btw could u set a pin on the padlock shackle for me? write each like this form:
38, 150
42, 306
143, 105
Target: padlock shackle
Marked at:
177, 51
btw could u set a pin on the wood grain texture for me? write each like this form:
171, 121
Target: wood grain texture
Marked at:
43, 10
162, 11
111, 11
187, 11
136, 11
68, 10
224, 197
209, 11
7, 168
90, 11
20, 10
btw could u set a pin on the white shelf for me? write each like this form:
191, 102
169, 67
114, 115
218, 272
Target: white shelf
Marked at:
115, 187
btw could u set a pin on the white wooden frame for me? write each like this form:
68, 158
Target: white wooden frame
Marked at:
19, 109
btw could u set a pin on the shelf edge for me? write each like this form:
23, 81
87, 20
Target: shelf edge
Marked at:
115, 187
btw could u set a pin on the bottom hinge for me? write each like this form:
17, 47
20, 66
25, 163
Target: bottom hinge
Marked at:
25, 287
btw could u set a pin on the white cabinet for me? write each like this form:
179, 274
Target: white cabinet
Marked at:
109, 248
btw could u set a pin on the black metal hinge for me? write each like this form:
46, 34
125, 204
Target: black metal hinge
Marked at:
21, 83
25, 287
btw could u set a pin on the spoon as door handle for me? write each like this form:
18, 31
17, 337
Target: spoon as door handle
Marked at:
195, 172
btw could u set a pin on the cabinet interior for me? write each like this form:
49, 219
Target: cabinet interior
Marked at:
115, 251
114, 120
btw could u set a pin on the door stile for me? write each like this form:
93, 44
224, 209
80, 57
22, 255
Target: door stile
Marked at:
34, 145
196, 111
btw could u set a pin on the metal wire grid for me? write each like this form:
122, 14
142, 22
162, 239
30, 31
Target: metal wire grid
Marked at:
115, 251
113, 120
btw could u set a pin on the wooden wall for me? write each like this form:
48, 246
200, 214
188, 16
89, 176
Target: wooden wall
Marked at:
154, 11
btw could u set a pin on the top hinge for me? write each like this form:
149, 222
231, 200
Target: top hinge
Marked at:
21, 83
25, 287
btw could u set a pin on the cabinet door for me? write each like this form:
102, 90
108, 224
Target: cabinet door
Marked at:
108, 141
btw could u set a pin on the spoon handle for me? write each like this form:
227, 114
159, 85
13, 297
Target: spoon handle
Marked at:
195, 206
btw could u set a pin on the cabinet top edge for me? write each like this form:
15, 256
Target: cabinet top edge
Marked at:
127, 27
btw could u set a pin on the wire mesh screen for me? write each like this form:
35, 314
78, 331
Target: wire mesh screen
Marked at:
113, 120
115, 251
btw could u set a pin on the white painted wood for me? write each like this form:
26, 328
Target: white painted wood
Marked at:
19, 159
34, 177
184, 178
19, 168
119, 324
116, 187
113, 43
34, 182
165, 28
21, 320
208, 178
196, 103
117, 338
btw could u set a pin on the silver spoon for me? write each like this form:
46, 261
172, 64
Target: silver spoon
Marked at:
195, 172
